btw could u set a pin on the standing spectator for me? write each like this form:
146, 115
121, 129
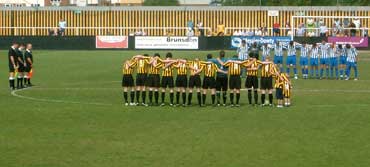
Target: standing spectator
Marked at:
220, 29
190, 24
357, 24
200, 28
352, 27
323, 30
264, 29
258, 32
340, 29
236, 33
287, 27
364, 31
300, 30
276, 29
62, 26
190, 32
334, 30
346, 26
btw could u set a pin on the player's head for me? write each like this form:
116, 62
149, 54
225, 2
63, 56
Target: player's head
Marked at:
314, 45
15, 44
156, 55
265, 44
348, 46
29, 46
243, 42
169, 55
332, 45
146, 55
222, 54
323, 42
254, 44
267, 58
291, 43
340, 46
209, 56
196, 59
21, 46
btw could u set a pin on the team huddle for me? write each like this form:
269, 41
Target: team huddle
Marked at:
20, 65
214, 75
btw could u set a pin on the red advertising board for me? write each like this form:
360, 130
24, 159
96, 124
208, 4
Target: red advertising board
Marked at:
111, 42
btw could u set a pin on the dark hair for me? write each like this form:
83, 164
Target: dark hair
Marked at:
146, 55
348, 46
222, 53
15, 43
169, 55
157, 55
291, 42
243, 41
340, 46
209, 56
314, 44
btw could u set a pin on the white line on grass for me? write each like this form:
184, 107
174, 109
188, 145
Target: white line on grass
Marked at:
14, 93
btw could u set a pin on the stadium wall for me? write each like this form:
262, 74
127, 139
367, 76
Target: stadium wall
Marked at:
89, 42
158, 17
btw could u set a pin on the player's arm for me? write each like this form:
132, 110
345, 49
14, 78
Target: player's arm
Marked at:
12, 60
169, 64
132, 64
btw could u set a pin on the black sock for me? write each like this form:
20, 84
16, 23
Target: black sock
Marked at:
24, 81
232, 98
29, 81
132, 96
218, 97
204, 98
156, 96
11, 83
125, 96
150, 96
199, 97
250, 96
177, 97
237, 98
224, 97
163, 95
270, 98
183, 98
190, 96
21, 81
263, 98
18, 82
255, 97
143, 96
171, 97
137, 96
213, 99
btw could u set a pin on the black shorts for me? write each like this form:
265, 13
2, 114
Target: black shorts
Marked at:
27, 69
140, 79
167, 82
279, 93
11, 68
221, 83
153, 81
127, 81
182, 81
194, 81
21, 68
209, 83
266, 83
235, 82
251, 82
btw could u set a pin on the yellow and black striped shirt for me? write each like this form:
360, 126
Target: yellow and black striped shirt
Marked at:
155, 67
253, 69
209, 69
182, 68
195, 66
167, 71
128, 68
234, 68
141, 66
268, 70
279, 82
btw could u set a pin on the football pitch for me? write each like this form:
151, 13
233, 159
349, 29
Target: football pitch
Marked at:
75, 117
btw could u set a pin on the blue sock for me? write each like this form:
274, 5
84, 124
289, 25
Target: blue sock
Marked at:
321, 72
288, 70
317, 72
356, 72
303, 71
327, 72
295, 70
331, 72
341, 72
306, 71
336, 72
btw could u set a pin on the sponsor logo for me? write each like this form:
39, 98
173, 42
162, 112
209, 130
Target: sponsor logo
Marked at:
111, 42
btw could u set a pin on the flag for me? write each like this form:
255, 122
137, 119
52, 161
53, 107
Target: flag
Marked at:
16, 73
30, 73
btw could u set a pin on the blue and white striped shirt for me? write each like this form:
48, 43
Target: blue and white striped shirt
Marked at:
342, 52
304, 51
243, 52
332, 53
315, 53
291, 50
278, 49
324, 51
351, 55
265, 51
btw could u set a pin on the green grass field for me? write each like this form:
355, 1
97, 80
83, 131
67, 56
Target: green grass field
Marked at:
74, 117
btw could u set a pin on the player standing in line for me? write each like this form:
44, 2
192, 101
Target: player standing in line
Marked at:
251, 83
314, 60
291, 59
29, 65
242, 52
333, 54
181, 81
167, 78
352, 59
141, 76
268, 69
209, 81
342, 60
286, 89
278, 57
21, 66
154, 79
324, 59
303, 61
194, 80
12, 54
279, 84
221, 79
128, 81
265, 51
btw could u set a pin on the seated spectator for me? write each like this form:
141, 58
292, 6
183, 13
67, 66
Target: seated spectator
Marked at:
250, 33
334, 30
357, 23
62, 26
323, 30
276, 29
364, 32
236, 33
340, 30
352, 27
258, 32
138, 32
200, 28
190, 32
190, 24
346, 26
300, 30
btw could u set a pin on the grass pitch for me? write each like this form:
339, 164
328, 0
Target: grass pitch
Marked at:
74, 117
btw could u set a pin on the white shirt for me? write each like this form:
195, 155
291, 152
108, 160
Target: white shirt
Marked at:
62, 24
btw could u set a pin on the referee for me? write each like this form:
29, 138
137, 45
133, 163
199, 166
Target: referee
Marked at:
12, 54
